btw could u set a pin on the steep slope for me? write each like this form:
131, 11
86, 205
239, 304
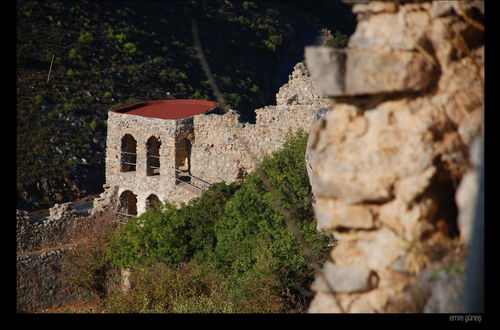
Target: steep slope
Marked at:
110, 53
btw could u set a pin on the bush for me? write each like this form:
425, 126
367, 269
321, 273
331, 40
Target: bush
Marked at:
87, 265
120, 37
130, 47
171, 235
188, 288
73, 54
39, 98
85, 38
337, 40
253, 232
238, 232
93, 125
157, 235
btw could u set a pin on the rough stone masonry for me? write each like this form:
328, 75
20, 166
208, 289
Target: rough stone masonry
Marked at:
215, 153
393, 164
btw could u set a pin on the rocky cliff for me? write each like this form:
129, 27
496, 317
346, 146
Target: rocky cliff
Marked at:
393, 165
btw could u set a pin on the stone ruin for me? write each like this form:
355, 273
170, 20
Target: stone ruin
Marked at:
191, 153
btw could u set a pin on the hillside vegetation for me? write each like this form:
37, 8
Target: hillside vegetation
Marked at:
229, 250
105, 54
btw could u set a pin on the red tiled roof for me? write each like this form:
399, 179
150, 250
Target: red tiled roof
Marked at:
168, 109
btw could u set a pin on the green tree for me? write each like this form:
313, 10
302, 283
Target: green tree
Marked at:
253, 235
165, 233
238, 232
157, 235
85, 38
337, 40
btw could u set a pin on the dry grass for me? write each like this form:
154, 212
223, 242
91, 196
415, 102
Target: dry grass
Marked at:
87, 266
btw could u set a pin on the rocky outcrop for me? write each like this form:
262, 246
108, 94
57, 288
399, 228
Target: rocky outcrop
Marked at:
386, 161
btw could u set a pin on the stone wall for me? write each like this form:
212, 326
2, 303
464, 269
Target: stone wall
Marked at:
222, 147
62, 224
40, 282
386, 161
41, 248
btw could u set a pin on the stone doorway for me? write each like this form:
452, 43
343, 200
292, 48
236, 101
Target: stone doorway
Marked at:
128, 203
182, 160
151, 201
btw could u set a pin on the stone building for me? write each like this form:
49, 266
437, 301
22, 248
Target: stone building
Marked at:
172, 150
148, 152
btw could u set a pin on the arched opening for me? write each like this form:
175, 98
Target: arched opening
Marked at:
152, 200
128, 153
153, 156
182, 160
128, 203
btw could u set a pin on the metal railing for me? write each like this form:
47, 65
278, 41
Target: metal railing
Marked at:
125, 162
125, 214
152, 166
208, 184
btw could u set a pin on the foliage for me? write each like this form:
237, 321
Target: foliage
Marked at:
165, 233
237, 232
87, 266
122, 49
157, 288
337, 40
130, 47
253, 231
85, 37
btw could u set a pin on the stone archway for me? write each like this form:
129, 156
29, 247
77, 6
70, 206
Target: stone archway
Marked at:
151, 201
153, 156
182, 160
128, 158
128, 203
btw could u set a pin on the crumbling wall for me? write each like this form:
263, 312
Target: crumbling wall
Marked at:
386, 161
62, 224
222, 148
40, 281
41, 248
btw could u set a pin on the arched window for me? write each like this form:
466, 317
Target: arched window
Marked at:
182, 160
152, 200
153, 156
128, 153
128, 203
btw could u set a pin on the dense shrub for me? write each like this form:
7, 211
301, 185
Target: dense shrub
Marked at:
337, 40
165, 233
238, 233
157, 288
252, 231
